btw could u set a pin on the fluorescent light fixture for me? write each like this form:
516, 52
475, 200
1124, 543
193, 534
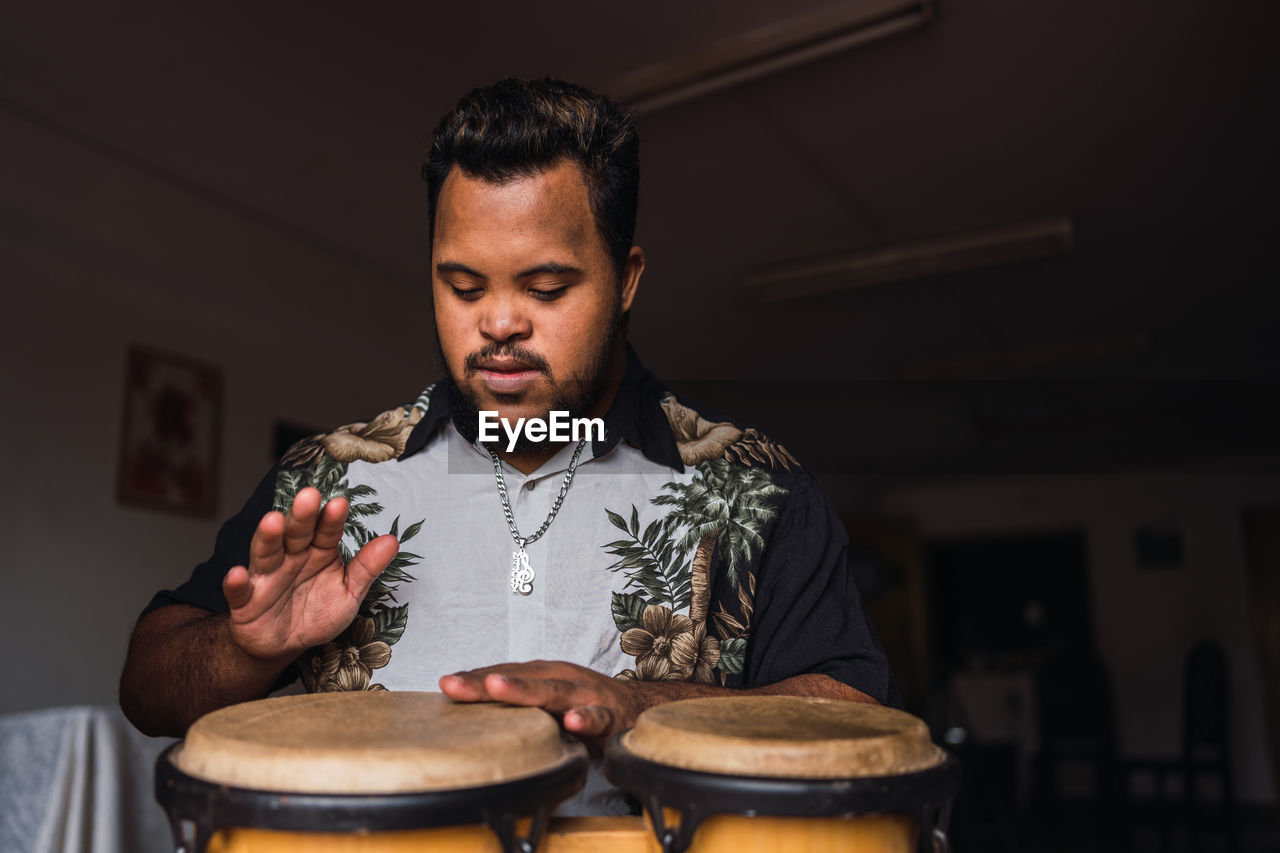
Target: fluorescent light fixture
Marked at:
767, 50
904, 261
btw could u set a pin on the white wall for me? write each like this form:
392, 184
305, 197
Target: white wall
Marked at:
1145, 621
94, 256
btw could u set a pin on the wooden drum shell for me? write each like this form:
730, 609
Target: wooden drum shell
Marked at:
793, 774
868, 834
230, 791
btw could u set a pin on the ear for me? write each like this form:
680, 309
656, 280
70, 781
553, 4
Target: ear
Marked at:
631, 276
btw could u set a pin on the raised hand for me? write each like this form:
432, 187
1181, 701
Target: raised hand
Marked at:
296, 592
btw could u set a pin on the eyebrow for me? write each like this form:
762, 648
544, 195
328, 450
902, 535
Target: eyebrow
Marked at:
548, 268
454, 266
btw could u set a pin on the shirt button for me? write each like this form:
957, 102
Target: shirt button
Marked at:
528, 487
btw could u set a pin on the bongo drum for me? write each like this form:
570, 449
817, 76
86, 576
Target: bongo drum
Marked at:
757, 773
375, 772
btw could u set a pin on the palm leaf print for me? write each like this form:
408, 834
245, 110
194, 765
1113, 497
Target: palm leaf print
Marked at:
726, 506
650, 561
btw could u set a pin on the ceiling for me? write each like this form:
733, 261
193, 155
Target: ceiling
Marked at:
1153, 127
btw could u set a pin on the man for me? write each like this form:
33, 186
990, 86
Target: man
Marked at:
672, 556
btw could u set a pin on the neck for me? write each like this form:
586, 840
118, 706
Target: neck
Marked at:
529, 461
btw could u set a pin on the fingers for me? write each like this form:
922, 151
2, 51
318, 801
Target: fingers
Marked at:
590, 720
266, 549
469, 685
489, 685
464, 687
333, 518
300, 522
518, 684
369, 563
237, 587
306, 525
588, 705
552, 694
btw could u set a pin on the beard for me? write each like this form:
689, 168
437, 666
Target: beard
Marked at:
576, 395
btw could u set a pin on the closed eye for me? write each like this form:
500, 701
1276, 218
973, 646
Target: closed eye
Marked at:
468, 294
549, 294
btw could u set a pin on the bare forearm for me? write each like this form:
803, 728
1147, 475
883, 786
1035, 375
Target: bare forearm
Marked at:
183, 663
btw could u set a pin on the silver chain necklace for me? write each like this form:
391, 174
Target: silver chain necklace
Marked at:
521, 571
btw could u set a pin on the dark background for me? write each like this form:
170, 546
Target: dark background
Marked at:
238, 183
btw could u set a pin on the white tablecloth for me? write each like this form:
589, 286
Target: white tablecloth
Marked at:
79, 780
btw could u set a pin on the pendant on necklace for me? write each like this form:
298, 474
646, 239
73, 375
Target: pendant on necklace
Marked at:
521, 572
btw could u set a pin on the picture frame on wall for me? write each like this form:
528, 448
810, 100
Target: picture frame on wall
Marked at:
169, 435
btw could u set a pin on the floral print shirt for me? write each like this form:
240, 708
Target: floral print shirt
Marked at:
687, 548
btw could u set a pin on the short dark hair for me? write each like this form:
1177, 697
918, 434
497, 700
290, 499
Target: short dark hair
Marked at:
517, 128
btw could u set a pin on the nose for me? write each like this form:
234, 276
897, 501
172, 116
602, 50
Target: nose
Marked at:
504, 319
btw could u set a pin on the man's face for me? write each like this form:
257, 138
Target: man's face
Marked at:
526, 296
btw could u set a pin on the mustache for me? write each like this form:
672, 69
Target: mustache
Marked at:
508, 350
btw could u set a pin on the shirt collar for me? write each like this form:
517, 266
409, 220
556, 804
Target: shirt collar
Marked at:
636, 417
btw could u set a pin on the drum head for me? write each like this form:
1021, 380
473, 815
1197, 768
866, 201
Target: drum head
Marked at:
371, 743
783, 737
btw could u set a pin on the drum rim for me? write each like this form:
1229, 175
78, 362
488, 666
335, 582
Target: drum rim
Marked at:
185, 797
224, 748
782, 794
664, 735
697, 795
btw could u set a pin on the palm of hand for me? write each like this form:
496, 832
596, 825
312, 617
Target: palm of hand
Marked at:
296, 592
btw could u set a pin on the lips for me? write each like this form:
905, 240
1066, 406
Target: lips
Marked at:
506, 376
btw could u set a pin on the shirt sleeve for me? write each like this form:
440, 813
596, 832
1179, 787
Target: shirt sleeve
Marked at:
809, 617
231, 548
